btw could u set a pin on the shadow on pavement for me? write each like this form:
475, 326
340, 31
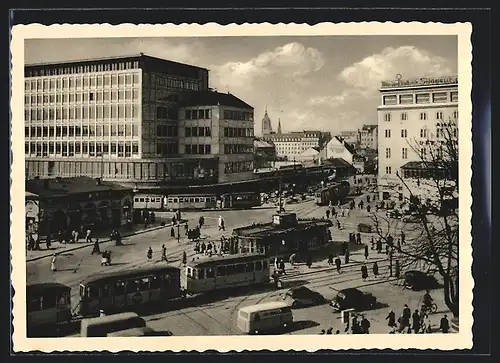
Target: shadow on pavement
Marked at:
302, 324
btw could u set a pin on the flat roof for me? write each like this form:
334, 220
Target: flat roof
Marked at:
269, 229
229, 259
264, 306
103, 59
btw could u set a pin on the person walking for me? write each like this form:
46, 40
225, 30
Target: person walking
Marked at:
149, 255
164, 253
426, 323
327, 213
364, 272
366, 252
292, 258
338, 263
375, 269
346, 259
329, 331
186, 229
53, 262
444, 325
358, 238
365, 325
392, 319
172, 232
338, 225
282, 266
309, 260
88, 237
330, 258
201, 221
403, 238
405, 318
96, 248
415, 322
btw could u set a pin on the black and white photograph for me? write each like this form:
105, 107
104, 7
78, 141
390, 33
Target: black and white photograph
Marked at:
257, 181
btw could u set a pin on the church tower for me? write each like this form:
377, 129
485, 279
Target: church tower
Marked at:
279, 126
266, 125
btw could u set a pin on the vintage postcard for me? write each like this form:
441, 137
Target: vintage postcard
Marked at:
257, 186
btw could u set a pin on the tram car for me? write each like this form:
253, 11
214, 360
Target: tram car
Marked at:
217, 273
126, 290
190, 202
240, 200
332, 193
148, 201
48, 304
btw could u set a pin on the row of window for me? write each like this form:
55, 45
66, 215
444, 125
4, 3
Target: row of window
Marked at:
198, 114
167, 148
423, 116
238, 132
198, 131
198, 149
420, 98
238, 167
228, 270
238, 149
99, 112
163, 112
238, 115
82, 82
404, 153
170, 82
191, 200
91, 68
38, 303
424, 132
85, 97
166, 130
72, 148
126, 130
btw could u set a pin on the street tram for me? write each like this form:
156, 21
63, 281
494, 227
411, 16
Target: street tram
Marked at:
222, 272
125, 290
47, 304
333, 193
190, 201
244, 200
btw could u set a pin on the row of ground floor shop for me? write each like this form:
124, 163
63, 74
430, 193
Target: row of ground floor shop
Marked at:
44, 218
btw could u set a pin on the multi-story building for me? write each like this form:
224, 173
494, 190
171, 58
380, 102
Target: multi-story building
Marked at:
292, 144
351, 137
368, 137
216, 137
114, 118
410, 120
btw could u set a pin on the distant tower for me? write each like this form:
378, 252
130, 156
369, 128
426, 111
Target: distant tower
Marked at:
266, 124
279, 126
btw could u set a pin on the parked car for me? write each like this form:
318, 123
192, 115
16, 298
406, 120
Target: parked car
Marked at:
394, 213
301, 296
418, 280
353, 299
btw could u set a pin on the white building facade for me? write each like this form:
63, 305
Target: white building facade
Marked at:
337, 148
411, 113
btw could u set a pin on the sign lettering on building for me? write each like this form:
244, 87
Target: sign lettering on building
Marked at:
420, 82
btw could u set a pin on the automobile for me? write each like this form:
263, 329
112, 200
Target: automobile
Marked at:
394, 213
291, 200
301, 296
353, 298
418, 280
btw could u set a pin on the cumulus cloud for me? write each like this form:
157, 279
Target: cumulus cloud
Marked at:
289, 60
409, 61
332, 101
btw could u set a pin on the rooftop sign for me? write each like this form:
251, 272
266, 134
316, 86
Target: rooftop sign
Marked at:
429, 81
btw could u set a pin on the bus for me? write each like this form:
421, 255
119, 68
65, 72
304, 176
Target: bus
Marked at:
245, 200
126, 290
48, 304
222, 272
263, 317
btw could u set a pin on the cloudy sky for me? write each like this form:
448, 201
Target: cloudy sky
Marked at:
324, 82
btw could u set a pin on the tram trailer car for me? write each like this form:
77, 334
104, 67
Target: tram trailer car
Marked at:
48, 304
332, 193
190, 202
148, 201
240, 200
119, 291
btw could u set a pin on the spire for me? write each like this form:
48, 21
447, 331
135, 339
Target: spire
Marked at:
266, 124
279, 126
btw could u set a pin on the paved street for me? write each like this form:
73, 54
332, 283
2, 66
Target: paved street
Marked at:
219, 317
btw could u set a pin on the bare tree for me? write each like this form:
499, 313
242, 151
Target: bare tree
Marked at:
433, 244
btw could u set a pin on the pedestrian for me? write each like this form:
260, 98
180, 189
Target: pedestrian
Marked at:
358, 238
186, 229
221, 224
53, 266
346, 259
172, 232
338, 224
174, 220
405, 318
375, 269
152, 217
96, 248
327, 213
309, 260
334, 212
365, 325
201, 221
282, 266
203, 248
379, 246
366, 252
37, 243
387, 247
444, 325
48, 241
323, 332
392, 319
355, 328
416, 321
368, 199
88, 237
337, 332
403, 238
101, 313
368, 208
330, 258
184, 258
364, 272
338, 263
426, 324
292, 258
149, 255
399, 243
164, 253
329, 331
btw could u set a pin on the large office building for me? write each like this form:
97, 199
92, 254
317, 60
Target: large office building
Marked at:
368, 137
292, 144
411, 118
137, 119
